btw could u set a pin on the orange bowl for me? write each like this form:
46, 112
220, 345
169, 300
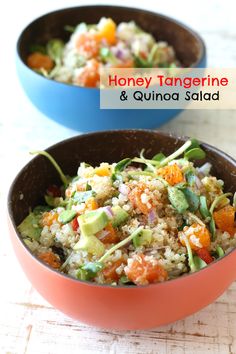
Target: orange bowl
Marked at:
120, 307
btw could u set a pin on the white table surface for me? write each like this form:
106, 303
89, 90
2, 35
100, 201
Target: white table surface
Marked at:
28, 324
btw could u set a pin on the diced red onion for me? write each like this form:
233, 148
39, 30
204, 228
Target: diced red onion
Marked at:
205, 169
123, 189
151, 216
103, 234
198, 182
108, 211
120, 54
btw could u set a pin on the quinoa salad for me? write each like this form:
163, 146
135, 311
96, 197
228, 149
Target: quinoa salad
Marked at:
92, 47
134, 222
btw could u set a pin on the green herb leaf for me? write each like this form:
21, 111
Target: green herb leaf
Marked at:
204, 208
69, 28
190, 177
88, 187
195, 154
192, 199
121, 165
194, 144
89, 270
142, 63
177, 199
66, 216
37, 48
180, 228
159, 157
115, 177
41, 209
55, 49
176, 153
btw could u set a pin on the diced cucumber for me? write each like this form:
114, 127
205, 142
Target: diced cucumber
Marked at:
119, 217
91, 244
93, 222
143, 239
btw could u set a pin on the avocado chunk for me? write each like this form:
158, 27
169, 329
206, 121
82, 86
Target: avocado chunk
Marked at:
66, 216
30, 227
91, 244
143, 239
93, 222
120, 216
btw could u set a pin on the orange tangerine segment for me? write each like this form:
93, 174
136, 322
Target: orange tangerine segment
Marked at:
103, 171
107, 30
171, 173
88, 44
142, 271
135, 197
48, 218
110, 273
91, 204
224, 219
197, 235
88, 76
40, 61
108, 235
51, 259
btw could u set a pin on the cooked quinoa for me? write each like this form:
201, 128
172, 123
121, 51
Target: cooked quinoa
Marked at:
138, 221
102, 45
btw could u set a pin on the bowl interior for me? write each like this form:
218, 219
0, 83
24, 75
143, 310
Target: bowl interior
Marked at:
111, 146
187, 44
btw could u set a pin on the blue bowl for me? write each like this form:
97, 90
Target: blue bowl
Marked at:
79, 107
